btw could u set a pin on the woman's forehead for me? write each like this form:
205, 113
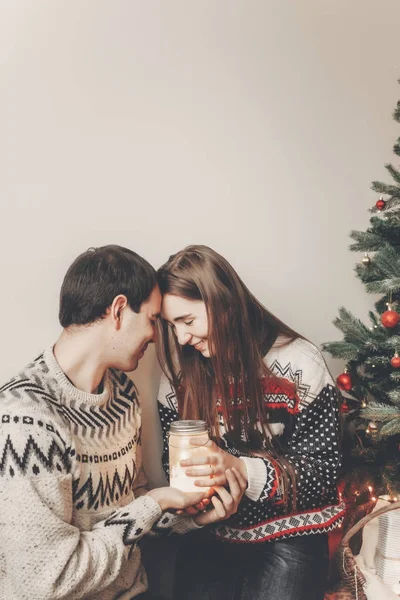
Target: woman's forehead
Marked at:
176, 307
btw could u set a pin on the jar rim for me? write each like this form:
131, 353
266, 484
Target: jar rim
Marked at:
188, 426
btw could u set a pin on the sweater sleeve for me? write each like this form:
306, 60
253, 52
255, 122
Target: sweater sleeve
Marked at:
168, 522
313, 449
45, 554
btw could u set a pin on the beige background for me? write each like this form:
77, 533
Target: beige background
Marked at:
252, 126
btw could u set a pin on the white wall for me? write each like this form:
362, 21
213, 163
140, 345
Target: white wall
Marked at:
253, 126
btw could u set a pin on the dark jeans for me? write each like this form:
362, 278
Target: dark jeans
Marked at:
292, 569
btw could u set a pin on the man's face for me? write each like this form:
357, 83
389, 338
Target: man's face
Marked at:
136, 332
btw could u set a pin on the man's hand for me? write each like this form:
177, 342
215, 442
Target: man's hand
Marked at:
172, 498
212, 467
227, 503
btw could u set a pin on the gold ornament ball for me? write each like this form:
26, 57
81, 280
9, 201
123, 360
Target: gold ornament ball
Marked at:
372, 429
366, 261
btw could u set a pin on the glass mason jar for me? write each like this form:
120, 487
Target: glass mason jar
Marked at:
180, 435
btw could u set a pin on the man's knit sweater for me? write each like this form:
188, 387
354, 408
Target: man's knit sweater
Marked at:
305, 418
72, 503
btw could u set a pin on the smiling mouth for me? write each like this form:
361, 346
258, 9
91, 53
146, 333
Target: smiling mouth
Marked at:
199, 345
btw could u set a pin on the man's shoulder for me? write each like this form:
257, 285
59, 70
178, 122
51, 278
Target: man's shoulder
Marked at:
32, 388
30, 375
33, 435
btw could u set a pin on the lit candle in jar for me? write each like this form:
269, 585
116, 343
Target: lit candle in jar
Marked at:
180, 448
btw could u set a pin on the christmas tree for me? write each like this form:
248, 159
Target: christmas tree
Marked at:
371, 380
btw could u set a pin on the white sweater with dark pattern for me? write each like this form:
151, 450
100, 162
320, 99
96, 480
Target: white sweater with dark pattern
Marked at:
307, 425
72, 491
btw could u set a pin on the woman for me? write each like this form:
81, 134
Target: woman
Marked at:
271, 407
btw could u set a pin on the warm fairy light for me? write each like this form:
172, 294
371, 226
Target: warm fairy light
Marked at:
373, 499
370, 488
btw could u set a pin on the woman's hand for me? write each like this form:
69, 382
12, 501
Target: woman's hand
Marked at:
212, 467
227, 503
205, 501
172, 498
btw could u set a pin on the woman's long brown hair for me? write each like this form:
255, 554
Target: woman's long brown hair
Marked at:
240, 332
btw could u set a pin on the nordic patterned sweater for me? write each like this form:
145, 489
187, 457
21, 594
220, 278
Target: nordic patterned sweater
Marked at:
72, 503
306, 422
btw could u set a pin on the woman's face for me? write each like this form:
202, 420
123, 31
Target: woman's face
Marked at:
189, 321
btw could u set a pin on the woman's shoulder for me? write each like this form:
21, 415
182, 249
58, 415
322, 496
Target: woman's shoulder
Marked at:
302, 362
299, 349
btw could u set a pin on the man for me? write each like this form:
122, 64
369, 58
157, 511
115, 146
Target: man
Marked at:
73, 502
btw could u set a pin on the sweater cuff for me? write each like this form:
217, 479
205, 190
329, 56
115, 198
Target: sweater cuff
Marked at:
256, 477
179, 524
185, 524
146, 508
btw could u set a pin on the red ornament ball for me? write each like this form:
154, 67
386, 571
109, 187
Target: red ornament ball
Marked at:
380, 205
344, 382
395, 362
344, 407
390, 319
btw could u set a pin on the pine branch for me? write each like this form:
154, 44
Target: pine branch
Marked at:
393, 172
396, 113
382, 413
392, 343
394, 395
374, 318
377, 360
391, 428
384, 188
387, 262
344, 350
365, 241
383, 286
370, 273
353, 329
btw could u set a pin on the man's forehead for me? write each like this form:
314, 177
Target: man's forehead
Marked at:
153, 305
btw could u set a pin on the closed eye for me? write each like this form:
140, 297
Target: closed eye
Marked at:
189, 322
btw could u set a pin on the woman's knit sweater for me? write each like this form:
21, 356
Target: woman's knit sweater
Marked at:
306, 423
